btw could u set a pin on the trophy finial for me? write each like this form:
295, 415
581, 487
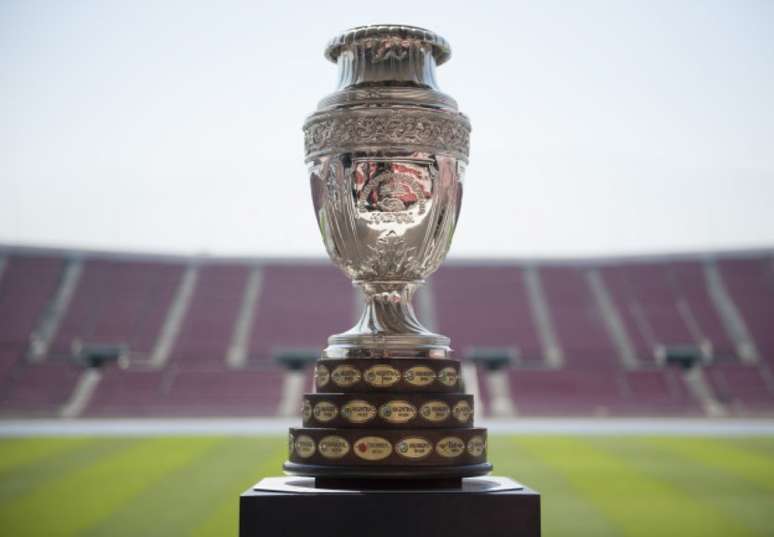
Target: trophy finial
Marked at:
387, 54
389, 41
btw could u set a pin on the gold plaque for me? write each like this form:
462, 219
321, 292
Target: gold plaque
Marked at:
419, 375
304, 446
435, 411
321, 375
462, 411
345, 375
358, 411
448, 376
334, 447
372, 448
307, 410
414, 447
382, 375
476, 446
449, 447
397, 411
325, 411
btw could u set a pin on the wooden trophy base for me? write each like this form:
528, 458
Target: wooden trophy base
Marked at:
480, 507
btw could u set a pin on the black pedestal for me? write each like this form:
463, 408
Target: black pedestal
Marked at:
483, 507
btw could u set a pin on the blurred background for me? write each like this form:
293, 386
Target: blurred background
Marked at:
164, 290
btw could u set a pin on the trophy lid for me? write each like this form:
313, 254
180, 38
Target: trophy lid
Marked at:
385, 35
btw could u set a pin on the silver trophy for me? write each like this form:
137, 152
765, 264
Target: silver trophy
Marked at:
387, 153
389, 414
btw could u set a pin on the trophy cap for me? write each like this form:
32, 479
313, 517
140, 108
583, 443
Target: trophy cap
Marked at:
383, 34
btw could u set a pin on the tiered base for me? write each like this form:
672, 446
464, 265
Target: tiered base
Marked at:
388, 418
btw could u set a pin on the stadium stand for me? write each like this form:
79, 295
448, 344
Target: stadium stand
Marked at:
486, 306
661, 336
207, 328
646, 306
594, 392
577, 320
119, 301
688, 278
750, 282
26, 286
300, 306
745, 388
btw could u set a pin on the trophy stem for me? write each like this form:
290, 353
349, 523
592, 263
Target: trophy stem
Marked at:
388, 308
388, 325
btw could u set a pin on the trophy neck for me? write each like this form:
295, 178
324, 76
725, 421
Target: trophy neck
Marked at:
387, 55
381, 68
412, 67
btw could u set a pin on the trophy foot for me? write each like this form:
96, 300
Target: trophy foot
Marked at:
357, 345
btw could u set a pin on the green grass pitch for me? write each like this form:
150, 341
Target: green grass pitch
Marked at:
591, 486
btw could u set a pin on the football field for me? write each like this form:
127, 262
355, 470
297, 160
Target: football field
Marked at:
591, 485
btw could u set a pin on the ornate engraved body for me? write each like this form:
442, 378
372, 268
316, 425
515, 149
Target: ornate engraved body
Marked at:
387, 154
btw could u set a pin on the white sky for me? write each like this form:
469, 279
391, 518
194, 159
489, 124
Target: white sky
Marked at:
598, 127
